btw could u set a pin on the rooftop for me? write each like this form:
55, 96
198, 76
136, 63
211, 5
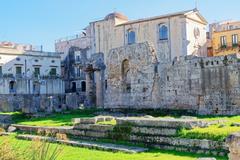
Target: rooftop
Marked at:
116, 15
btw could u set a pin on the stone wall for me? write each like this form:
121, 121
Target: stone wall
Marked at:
32, 103
203, 85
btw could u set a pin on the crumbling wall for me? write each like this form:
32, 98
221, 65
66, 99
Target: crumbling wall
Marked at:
209, 85
205, 85
138, 92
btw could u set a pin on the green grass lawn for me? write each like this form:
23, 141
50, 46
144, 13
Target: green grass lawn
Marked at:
10, 113
75, 153
57, 119
214, 132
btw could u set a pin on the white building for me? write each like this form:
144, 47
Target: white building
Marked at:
24, 70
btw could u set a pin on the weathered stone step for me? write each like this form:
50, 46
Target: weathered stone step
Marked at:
86, 144
181, 142
192, 150
162, 122
134, 129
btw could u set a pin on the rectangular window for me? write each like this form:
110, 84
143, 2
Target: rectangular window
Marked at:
223, 41
131, 37
18, 70
78, 58
78, 72
53, 72
234, 39
36, 71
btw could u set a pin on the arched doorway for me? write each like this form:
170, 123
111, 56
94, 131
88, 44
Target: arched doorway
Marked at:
12, 87
74, 87
83, 86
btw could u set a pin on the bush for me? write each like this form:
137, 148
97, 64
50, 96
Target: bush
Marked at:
38, 150
42, 150
7, 152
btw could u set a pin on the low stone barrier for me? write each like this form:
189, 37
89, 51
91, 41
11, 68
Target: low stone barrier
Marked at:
93, 120
233, 142
163, 122
160, 133
85, 144
4, 118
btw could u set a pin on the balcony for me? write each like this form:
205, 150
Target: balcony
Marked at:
19, 75
228, 47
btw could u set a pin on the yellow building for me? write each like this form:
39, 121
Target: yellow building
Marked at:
225, 38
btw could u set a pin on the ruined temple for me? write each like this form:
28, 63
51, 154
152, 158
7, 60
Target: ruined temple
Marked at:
156, 63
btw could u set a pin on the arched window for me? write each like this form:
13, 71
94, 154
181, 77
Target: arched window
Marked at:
163, 32
131, 37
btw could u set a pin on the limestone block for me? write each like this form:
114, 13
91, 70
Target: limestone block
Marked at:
75, 132
94, 127
80, 126
104, 118
101, 128
190, 143
85, 120
233, 142
12, 129
163, 122
96, 134
154, 131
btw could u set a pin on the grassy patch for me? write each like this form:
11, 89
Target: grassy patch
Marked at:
57, 119
10, 113
214, 132
75, 153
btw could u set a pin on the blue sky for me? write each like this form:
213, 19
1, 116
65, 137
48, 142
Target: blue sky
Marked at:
41, 22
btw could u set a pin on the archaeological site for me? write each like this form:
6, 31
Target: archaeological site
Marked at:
165, 87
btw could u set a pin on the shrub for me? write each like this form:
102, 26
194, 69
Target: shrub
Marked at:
7, 152
38, 150
42, 150
2, 130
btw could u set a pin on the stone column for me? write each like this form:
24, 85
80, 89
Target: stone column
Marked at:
99, 88
233, 142
89, 89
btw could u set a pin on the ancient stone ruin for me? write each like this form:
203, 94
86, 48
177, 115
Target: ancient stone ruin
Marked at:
137, 80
